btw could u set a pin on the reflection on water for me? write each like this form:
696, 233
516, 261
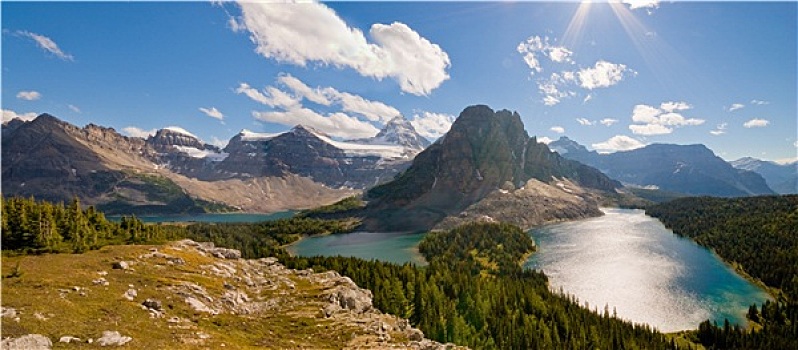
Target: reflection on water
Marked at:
631, 262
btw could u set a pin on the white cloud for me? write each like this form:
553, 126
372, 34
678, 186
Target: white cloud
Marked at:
138, 132
795, 143
432, 125
301, 90
585, 122
587, 98
756, 123
218, 142
335, 124
373, 110
271, 96
545, 140
608, 121
617, 143
312, 32
46, 44
74, 108
650, 129
659, 121
642, 4
602, 74
29, 95
534, 45
736, 106
759, 102
720, 129
212, 112
674, 106
9, 114
558, 129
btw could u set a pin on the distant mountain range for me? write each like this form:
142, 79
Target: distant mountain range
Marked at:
173, 171
782, 178
687, 169
485, 168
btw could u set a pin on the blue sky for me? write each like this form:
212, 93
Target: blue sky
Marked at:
610, 76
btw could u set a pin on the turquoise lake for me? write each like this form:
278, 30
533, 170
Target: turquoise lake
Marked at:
215, 217
391, 247
624, 260
631, 262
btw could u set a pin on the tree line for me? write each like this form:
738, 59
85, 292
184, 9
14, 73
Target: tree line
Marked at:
759, 234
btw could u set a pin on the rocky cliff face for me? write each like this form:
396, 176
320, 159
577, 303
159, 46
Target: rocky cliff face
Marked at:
688, 169
399, 131
484, 151
193, 295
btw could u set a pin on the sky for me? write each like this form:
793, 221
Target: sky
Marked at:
612, 76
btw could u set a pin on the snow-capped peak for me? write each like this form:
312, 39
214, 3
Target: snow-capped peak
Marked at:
180, 130
247, 135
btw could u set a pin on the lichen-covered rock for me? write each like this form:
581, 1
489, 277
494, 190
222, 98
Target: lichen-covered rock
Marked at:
113, 338
27, 342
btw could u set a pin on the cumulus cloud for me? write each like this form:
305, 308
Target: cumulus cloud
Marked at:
373, 110
138, 132
557, 129
617, 143
47, 44
334, 124
756, 123
585, 122
662, 120
432, 125
312, 32
9, 114
74, 108
759, 102
608, 121
736, 106
270, 96
720, 129
212, 112
602, 74
29, 95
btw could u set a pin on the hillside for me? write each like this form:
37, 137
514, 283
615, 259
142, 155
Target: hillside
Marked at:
782, 178
188, 295
484, 152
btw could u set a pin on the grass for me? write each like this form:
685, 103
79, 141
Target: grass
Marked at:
44, 285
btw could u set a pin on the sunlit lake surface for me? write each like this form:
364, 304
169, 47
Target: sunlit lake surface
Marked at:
221, 217
391, 247
632, 263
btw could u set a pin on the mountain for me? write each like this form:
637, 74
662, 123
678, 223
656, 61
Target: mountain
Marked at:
484, 154
398, 131
688, 169
782, 178
170, 172
311, 153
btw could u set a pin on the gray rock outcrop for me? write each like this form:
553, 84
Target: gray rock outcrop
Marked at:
27, 342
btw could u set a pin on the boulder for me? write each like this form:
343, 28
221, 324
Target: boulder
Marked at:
27, 342
120, 265
113, 338
153, 304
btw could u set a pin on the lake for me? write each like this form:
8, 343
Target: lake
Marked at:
212, 217
631, 262
391, 247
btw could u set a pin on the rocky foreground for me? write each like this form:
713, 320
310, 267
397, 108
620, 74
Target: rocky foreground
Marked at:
188, 295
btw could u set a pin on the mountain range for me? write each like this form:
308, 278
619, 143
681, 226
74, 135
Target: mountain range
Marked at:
782, 178
686, 169
173, 171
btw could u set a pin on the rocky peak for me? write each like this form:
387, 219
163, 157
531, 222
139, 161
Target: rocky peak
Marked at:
399, 131
565, 145
482, 152
172, 136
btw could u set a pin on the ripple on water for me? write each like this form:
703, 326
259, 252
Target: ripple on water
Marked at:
632, 263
